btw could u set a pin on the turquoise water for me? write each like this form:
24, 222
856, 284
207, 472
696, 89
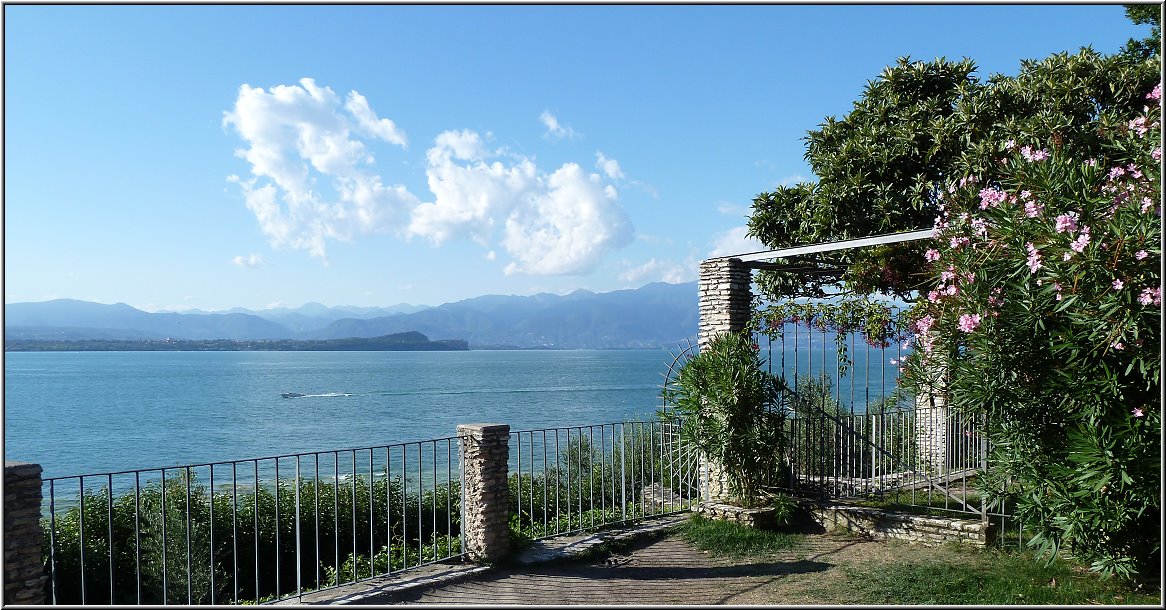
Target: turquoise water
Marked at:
82, 413
79, 413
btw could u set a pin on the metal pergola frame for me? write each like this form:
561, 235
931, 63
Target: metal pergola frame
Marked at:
760, 260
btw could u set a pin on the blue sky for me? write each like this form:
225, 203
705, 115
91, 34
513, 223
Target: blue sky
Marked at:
178, 157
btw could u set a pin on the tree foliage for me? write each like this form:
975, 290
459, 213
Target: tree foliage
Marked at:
881, 167
1047, 319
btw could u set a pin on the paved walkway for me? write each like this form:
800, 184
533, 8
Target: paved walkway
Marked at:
657, 569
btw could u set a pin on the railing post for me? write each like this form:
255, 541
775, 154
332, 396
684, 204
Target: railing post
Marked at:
726, 302
24, 571
485, 499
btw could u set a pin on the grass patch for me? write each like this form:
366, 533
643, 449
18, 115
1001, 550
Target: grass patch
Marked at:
728, 539
951, 575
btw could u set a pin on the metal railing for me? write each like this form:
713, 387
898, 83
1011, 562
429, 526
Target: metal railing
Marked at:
251, 530
567, 480
853, 434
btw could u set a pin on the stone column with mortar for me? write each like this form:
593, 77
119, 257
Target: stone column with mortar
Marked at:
485, 500
726, 303
24, 572
931, 423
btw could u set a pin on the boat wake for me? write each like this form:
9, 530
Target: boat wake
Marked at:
302, 395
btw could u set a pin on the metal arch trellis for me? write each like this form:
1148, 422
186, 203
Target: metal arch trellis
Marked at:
801, 261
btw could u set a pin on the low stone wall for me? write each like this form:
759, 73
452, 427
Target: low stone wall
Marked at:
761, 518
919, 529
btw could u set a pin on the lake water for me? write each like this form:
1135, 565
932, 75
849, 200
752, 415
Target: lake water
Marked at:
93, 412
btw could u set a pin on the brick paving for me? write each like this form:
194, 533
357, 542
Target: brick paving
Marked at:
657, 567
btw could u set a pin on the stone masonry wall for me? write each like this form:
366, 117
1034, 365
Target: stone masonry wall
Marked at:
725, 306
24, 574
918, 529
485, 452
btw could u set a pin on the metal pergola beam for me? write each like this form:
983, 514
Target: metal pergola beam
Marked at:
876, 240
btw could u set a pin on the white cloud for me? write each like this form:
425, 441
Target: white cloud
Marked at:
367, 120
661, 271
609, 167
792, 180
556, 130
311, 182
564, 222
297, 135
250, 261
734, 241
732, 209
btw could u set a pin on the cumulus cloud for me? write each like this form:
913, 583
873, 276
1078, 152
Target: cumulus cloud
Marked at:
563, 222
661, 271
734, 241
250, 261
311, 181
298, 136
609, 167
555, 130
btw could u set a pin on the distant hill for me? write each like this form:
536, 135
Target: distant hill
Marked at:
399, 342
655, 315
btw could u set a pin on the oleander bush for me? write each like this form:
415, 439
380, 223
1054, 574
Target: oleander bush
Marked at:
1046, 318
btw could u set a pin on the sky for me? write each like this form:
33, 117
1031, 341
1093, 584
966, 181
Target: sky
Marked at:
208, 157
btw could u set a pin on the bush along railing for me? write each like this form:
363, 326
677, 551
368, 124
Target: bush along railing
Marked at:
567, 480
250, 531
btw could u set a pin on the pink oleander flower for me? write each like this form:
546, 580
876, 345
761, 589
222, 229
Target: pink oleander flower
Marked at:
1091, 162
1033, 154
1147, 204
1010, 145
980, 227
969, 277
1117, 284
1138, 125
1141, 254
933, 296
969, 322
1033, 257
1067, 222
1135, 173
1155, 93
1117, 345
1032, 209
894, 361
1116, 173
1138, 412
951, 291
923, 325
948, 275
957, 242
1156, 153
906, 344
931, 255
1082, 240
1150, 296
1066, 256
991, 197
995, 301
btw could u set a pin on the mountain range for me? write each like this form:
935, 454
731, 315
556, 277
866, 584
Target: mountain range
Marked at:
655, 315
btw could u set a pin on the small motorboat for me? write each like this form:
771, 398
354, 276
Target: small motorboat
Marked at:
293, 394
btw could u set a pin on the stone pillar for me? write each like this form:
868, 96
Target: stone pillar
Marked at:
931, 426
726, 303
24, 571
726, 299
485, 499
